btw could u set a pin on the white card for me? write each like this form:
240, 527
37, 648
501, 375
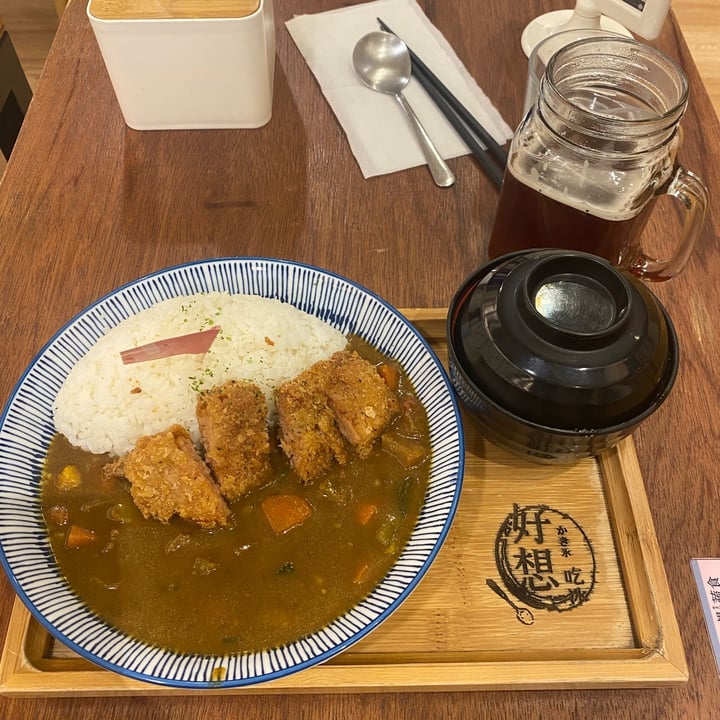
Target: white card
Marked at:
707, 578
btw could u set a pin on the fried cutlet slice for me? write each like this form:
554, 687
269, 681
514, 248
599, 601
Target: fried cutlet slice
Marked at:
361, 401
168, 477
307, 430
233, 426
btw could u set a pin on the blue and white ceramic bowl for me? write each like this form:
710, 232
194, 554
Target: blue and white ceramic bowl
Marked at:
27, 427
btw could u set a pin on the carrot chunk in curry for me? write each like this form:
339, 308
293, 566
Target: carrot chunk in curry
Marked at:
78, 537
285, 512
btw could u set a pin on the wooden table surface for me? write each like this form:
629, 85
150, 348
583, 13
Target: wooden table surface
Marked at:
87, 204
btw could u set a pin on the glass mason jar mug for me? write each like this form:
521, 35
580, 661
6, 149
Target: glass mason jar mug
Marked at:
594, 152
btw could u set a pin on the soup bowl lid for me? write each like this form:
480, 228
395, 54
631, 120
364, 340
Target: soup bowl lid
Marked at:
563, 340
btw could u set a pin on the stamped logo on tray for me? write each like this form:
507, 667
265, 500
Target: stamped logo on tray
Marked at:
545, 558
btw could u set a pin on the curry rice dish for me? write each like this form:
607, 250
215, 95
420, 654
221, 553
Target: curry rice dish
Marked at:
263, 532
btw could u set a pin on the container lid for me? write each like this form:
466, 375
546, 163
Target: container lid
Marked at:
563, 339
171, 9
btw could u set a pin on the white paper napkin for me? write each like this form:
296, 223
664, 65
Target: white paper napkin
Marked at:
377, 129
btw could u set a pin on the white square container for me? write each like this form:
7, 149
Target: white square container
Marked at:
175, 66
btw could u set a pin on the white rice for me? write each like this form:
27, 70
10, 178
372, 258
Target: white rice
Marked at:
99, 408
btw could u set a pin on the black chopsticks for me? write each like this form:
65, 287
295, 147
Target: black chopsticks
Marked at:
491, 156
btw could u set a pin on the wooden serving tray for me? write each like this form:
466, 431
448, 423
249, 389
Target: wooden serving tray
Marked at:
454, 632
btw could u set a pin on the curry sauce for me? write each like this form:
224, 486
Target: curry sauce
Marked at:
255, 584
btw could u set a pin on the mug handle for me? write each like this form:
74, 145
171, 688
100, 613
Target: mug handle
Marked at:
690, 190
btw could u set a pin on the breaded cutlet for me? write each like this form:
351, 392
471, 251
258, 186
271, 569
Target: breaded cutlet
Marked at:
361, 401
168, 477
337, 407
233, 426
307, 430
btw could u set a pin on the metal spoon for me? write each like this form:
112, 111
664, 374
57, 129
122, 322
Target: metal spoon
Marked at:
382, 61
524, 615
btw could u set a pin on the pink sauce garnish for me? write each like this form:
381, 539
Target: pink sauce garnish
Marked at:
191, 344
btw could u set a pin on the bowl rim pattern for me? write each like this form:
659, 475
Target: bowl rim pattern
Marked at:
26, 429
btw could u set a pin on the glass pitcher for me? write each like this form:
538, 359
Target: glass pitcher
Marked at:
594, 152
